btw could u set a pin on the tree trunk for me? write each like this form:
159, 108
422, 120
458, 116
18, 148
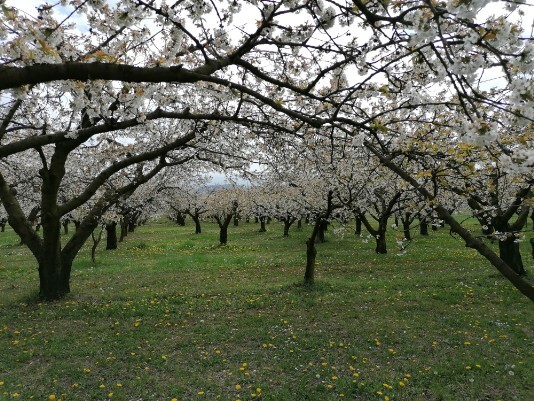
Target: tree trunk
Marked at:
311, 254
223, 228
381, 242
510, 254
323, 226
358, 230
299, 223
406, 230
198, 229
180, 219
423, 226
532, 246
65, 226
111, 236
124, 229
96, 241
262, 224
223, 234
131, 226
288, 222
236, 221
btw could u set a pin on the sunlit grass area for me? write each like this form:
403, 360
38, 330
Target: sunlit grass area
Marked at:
173, 315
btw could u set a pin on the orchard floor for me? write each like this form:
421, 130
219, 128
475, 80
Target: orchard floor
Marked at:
172, 315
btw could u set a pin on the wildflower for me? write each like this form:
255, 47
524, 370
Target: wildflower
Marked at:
238, 386
200, 393
110, 395
401, 384
52, 397
174, 399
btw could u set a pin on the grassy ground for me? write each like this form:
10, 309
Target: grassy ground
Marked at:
171, 315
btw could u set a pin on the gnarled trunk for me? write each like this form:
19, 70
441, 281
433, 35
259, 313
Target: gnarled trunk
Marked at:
111, 236
510, 254
380, 239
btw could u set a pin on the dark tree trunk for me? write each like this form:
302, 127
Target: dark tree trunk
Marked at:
510, 254
223, 234
96, 241
180, 219
311, 253
3, 226
380, 239
286, 228
358, 230
532, 246
256, 220
299, 223
288, 222
423, 226
236, 221
65, 224
223, 228
76, 224
323, 226
124, 229
262, 224
131, 226
111, 236
406, 230
198, 229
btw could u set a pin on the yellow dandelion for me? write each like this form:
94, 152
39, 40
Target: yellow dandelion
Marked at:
200, 393
238, 386
102, 386
110, 395
52, 397
174, 399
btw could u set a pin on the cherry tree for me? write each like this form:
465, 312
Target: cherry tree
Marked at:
365, 68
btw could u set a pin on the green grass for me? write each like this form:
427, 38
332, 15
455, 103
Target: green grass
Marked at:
171, 314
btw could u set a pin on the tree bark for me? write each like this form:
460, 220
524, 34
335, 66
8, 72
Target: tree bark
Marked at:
510, 254
111, 236
311, 253
423, 226
198, 228
124, 229
65, 224
358, 230
380, 239
262, 224
96, 241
